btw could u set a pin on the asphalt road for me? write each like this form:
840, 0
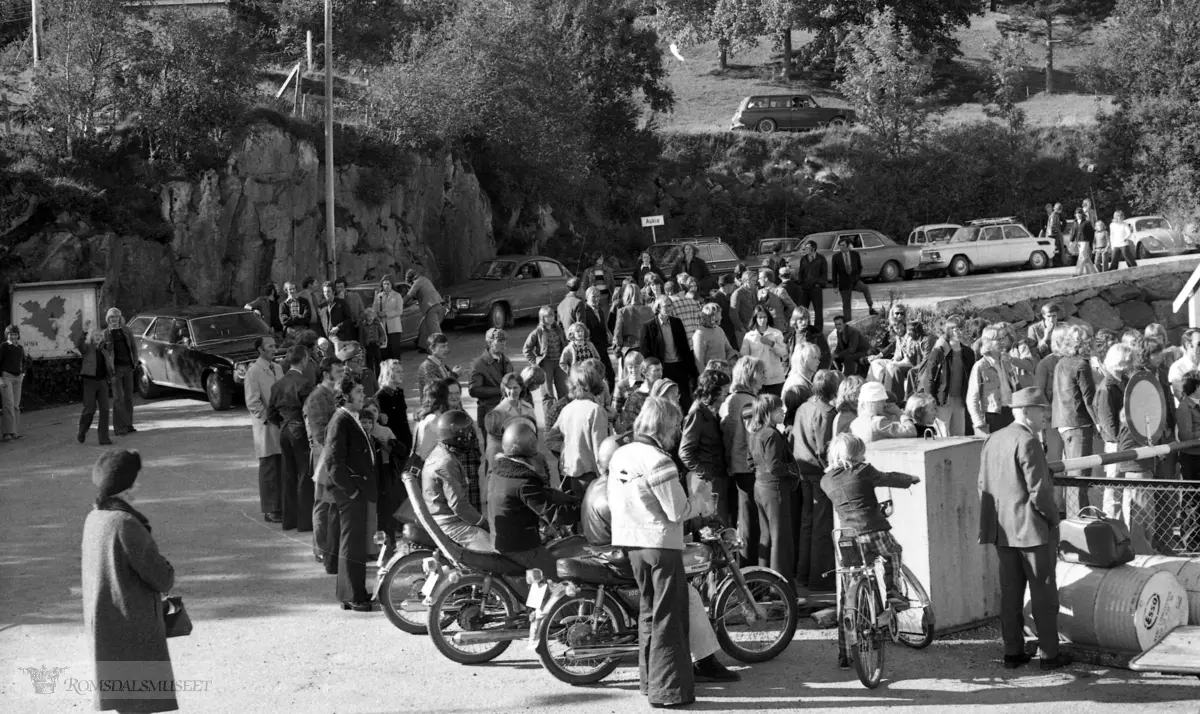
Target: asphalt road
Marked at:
270, 637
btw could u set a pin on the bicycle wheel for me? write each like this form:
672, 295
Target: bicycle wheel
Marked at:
763, 639
865, 640
575, 622
464, 607
400, 593
915, 626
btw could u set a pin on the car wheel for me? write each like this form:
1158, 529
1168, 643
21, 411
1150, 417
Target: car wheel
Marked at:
498, 317
837, 123
959, 267
766, 126
1038, 260
1142, 253
145, 386
220, 396
890, 272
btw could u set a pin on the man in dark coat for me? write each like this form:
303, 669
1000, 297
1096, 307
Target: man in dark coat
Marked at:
486, 373
813, 274
336, 316
595, 321
847, 276
693, 265
286, 410
722, 298
944, 375
849, 348
665, 338
350, 461
570, 310
1018, 516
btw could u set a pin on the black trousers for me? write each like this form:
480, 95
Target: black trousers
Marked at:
95, 392
859, 287
352, 550
1127, 252
814, 299
270, 481
775, 540
747, 523
664, 657
393, 346
297, 485
1032, 567
814, 543
678, 373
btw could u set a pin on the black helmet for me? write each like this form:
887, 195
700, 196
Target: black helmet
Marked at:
455, 429
520, 439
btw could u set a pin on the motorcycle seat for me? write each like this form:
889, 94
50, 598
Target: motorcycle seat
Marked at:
493, 563
598, 569
416, 534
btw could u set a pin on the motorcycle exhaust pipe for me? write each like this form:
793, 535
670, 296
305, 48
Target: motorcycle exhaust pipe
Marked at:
576, 654
487, 636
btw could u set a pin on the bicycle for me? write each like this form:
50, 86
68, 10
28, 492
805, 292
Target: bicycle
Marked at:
865, 615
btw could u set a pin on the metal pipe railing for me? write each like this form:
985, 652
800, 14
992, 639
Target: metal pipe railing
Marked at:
1086, 463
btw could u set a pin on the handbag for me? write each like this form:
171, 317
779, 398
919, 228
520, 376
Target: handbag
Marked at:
1093, 539
175, 616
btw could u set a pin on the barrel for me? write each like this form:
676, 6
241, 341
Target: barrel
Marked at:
1122, 609
1185, 570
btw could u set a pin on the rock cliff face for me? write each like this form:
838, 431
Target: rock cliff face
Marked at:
262, 219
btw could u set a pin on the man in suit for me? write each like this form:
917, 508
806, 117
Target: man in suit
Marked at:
1018, 516
849, 348
721, 298
665, 339
286, 411
847, 277
594, 319
813, 274
336, 318
350, 477
570, 310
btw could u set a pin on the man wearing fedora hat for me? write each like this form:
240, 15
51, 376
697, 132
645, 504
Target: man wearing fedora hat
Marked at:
1018, 516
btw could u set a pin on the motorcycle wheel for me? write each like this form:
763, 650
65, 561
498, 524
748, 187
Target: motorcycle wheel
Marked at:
570, 624
402, 583
463, 607
764, 639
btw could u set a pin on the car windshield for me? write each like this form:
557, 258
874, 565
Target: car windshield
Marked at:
966, 234
664, 255
493, 270
231, 326
1152, 224
939, 234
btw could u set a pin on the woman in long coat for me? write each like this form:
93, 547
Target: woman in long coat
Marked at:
124, 579
389, 305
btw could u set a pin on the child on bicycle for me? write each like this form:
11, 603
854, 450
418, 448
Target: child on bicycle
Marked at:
850, 484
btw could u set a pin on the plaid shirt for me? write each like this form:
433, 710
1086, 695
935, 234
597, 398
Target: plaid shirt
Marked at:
430, 371
575, 353
470, 460
688, 311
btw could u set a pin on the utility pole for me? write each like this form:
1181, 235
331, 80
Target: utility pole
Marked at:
329, 188
35, 22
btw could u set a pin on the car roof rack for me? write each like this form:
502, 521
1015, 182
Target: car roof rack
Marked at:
992, 221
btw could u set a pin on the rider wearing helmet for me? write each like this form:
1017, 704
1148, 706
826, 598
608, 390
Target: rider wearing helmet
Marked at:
519, 499
444, 483
597, 529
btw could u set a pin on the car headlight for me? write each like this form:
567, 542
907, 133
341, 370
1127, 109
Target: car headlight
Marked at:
462, 304
1154, 243
931, 256
239, 371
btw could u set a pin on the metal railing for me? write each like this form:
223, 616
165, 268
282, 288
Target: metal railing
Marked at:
1163, 516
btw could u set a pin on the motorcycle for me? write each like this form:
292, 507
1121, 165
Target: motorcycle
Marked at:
475, 600
399, 581
584, 624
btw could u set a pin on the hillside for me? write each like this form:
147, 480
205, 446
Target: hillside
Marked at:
705, 97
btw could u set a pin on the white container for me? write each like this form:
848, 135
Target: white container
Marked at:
1122, 609
1185, 570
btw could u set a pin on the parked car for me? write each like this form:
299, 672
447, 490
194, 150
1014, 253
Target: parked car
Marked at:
882, 257
767, 113
505, 288
763, 248
1154, 236
988, 243
717, 254
199, 349
410, 318
931, 233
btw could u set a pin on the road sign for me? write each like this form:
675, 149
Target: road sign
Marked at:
651, 221
1145, 408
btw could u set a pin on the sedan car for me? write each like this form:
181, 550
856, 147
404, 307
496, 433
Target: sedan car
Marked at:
988, 243
765, 247
788, 112
507, 287
200, 349
882, 257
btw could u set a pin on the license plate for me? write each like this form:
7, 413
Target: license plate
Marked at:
430, 583
537, 595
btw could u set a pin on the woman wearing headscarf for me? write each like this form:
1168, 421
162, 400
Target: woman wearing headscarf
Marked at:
389, 306
649, 508
124, 580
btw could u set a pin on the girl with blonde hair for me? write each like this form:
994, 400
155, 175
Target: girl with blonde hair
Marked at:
95, 371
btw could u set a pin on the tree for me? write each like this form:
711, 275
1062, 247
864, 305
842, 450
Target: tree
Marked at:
1061, 22
363, 30
1007, 59
887, 80
734, 25
930, 23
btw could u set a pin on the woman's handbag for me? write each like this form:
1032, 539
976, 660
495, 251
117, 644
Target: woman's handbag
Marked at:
1092, 539
175, 616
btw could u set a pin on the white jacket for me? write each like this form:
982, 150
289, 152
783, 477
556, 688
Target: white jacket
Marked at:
772, 356
649, 506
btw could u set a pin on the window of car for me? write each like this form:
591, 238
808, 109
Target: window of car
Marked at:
494, 270
528, 271
1015, 233
138, 325
823, 241
230, 326
779, 102
180, 331
716, 253
855, 240
1151, 224
162, 329
550, 270
937, 234
992, 233
869, 240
